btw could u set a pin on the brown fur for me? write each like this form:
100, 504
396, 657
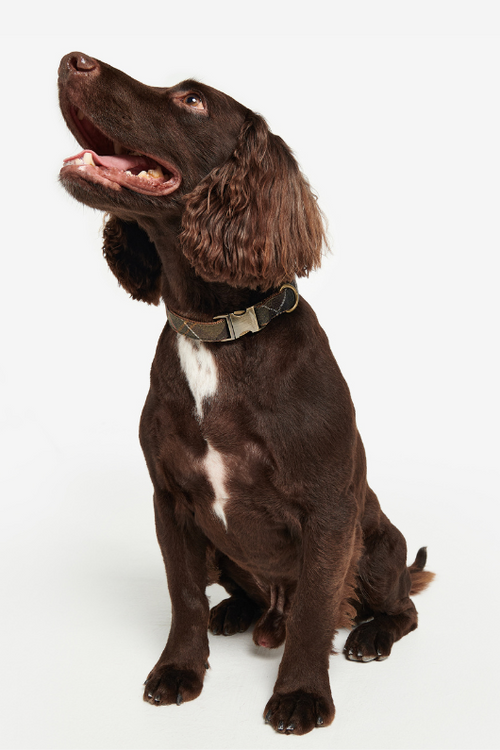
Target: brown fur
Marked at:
420, 578
133, 258
238, 227
307, 549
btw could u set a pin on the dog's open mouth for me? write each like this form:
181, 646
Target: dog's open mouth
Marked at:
115, 166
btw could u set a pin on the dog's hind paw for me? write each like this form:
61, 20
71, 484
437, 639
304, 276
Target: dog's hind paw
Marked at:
369, 642
233, 615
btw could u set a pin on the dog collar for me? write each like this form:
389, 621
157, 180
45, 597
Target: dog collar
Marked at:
233, 325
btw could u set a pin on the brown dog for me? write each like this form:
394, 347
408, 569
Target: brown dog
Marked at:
258, 469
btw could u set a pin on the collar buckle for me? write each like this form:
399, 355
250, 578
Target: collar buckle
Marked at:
240, 322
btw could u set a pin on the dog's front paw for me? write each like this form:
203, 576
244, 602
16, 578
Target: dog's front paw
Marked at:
299, 712
169, 684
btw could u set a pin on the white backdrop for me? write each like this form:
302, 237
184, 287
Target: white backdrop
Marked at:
395, 120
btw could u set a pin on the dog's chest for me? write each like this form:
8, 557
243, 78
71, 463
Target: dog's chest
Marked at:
200, 370
230, 485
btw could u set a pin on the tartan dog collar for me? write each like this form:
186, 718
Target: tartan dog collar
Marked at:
233, 325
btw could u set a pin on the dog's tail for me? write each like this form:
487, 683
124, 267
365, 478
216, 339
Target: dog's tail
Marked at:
420, 578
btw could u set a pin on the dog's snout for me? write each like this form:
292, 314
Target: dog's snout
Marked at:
77, 62
82, 63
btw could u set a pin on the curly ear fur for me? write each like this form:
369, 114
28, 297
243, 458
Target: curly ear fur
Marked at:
133, 259
253, 222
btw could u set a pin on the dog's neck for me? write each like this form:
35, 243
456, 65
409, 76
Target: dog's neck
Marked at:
183, 290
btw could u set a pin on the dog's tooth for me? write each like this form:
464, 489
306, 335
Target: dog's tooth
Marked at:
88, 158
129, 172
142, 174
156, 173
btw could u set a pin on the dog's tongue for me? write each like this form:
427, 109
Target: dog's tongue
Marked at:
120, 162
123, 162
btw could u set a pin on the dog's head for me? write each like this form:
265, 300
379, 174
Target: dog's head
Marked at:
194, 159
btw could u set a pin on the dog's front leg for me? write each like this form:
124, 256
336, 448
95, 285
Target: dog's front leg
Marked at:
178, 676
302, 697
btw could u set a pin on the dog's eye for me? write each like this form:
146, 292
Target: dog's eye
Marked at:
195, 101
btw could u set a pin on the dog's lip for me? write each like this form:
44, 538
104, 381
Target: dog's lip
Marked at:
122, 162
114, 170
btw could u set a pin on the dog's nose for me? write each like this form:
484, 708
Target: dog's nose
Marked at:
77, 62
82, 62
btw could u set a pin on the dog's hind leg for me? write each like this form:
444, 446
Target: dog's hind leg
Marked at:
384, 587
243, 607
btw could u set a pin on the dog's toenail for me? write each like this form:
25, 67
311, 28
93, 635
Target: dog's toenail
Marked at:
319, 721
157, 699
267, 717
179, 699
150, 695
290, 728
281, 726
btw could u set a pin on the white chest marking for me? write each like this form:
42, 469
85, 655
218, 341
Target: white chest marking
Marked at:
199, 367
213, 464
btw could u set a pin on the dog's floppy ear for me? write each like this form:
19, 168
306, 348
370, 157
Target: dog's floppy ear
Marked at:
133, 259
254, 221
